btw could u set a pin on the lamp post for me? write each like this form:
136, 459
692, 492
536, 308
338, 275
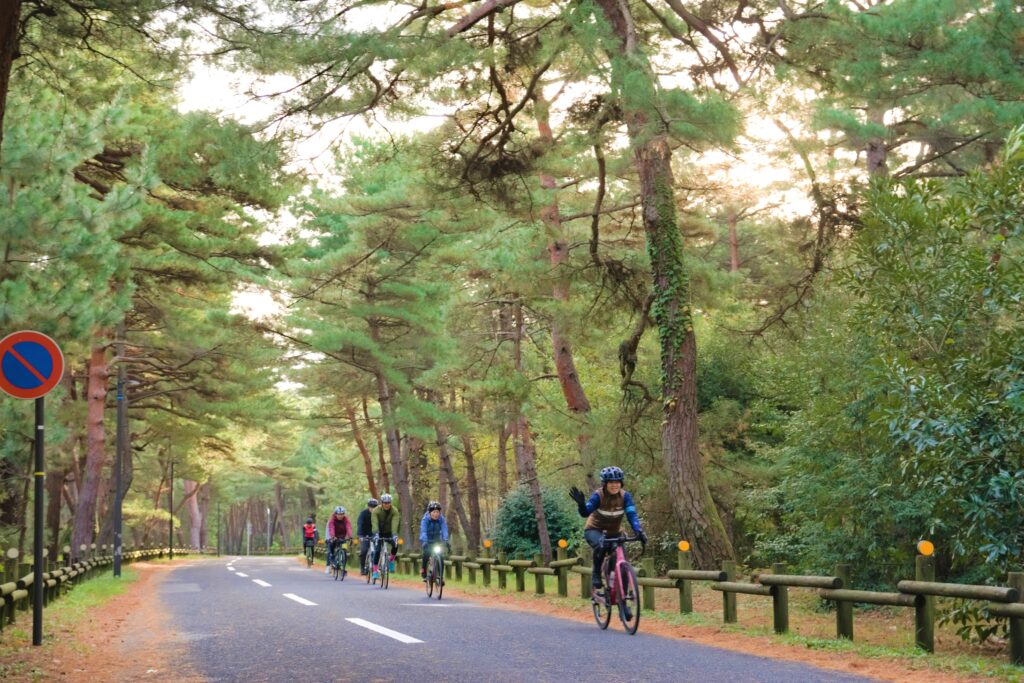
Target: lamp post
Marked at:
170, 514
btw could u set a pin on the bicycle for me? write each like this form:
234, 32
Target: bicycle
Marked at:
621, 587
435, 571
370, 554
308, 550
337, 560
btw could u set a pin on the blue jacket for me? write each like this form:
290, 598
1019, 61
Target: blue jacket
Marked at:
431, 530
627, 497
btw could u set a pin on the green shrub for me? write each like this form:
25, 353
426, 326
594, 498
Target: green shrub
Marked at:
515, 530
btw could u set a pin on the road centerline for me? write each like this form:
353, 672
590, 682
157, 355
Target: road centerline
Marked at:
260, 582
301, 601
244, 576
401, 637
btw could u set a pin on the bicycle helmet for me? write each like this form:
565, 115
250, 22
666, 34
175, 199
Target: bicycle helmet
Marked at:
612, 474
372, 503
433, 505
386, 498
309, 520
339, 510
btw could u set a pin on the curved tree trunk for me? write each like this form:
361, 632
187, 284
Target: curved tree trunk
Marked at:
195, 517
382, 467
95, 454
10, 13
565, 366
350, 411
472, 493
695, 511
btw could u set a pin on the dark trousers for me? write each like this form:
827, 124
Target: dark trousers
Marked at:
380, 547
364, 548
595, 539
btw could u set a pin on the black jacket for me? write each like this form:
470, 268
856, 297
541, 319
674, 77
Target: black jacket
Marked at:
364, 525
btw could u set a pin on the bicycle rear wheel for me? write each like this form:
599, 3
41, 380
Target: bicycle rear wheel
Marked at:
309, 556
384, 572
430, 579
602, 611
342, 565
629, 599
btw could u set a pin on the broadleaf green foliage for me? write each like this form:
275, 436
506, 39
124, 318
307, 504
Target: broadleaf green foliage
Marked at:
515, 527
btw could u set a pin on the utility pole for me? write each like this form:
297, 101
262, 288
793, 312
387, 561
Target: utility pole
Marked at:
170, 514
120, 448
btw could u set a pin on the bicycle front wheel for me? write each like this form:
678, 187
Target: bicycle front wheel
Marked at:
629, 598
439, 575
384, 572
342, 565
309, 556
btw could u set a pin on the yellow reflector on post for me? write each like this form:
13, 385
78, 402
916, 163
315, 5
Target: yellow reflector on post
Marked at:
487, 543
684, 546
401, 542
562, 543
926, 548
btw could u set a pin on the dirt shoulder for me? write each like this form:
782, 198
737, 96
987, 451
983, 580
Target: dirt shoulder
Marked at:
902, 670
129, 638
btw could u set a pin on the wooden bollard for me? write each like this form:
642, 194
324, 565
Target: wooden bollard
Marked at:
563, 573
502, 576
648, 591
538, 579
685, 561
1016, 580
520, 576
24, 569
486, 569
10, 565
924, 613
471, 557
844, 609
780, 601
728, 597
587, 555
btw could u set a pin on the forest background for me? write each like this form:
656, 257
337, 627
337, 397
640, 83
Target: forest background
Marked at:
763, 255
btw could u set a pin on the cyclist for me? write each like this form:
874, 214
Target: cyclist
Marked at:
385, 526
604, 512
339, 530
309, 534
364, 529
433, 529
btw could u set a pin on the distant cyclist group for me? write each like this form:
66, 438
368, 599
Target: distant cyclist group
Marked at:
377, 530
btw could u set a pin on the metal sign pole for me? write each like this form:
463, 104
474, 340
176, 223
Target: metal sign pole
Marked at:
37, 558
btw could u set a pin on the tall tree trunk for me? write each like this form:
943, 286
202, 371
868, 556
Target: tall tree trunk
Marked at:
204, 516
732, 218
279, 501
448, 474
526, 455
23, 499
310, 501
10, 11
54, 486
503, 433
694, 509
382, 467
419, 475
558, 250
877, 149
95, 454
195, 517
367, 463
472, 492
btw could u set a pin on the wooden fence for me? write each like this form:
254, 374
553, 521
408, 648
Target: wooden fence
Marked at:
17, 594
920, 593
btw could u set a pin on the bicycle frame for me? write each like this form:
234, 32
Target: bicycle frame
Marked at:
612, 569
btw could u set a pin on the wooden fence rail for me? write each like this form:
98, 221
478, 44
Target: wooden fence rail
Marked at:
18, 588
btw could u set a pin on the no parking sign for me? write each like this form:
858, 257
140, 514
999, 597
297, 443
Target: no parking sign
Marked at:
31, 364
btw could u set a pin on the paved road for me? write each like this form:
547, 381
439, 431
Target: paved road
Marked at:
270, 619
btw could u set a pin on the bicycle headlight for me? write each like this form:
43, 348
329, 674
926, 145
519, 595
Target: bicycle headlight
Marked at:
437, 550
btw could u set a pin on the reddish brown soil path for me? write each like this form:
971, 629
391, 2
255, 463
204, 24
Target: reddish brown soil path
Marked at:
130, 639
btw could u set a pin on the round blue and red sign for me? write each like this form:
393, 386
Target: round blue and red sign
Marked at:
31, 364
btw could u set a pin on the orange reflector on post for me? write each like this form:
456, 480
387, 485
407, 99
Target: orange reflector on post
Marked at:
562, 543
401, 541
487, 543
926, 548
684, 546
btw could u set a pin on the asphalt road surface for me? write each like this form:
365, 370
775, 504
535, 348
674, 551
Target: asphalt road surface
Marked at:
272, 619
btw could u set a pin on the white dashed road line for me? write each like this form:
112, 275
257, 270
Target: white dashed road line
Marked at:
244, 576
401, 637
301, 601
258, 582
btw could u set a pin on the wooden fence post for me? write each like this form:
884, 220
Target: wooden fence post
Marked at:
538, 579
780, 601
502, 576
486, 569
10, 565
729, 598
471, 558
588, 560
685, 587
1016, 580
563, 573
648, 591
924, 613
520, 576
844, 608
